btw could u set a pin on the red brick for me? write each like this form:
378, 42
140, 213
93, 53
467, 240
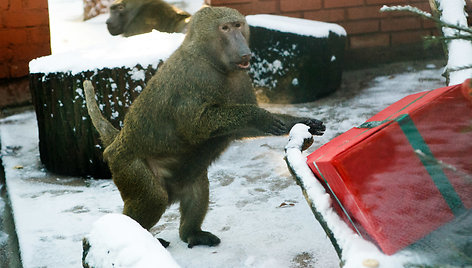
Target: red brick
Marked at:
384, 2
293, 14
31, 51
400, 24
428, 24
329, 15
342, 3
299, 5
365, 12
19, 69
5, 4
228, 2
408, 37
35, 4
6, 53
423, 6
256, 7
39, 34
26, 18
371, 40
15, 5
364, 26
4, 70
13, 36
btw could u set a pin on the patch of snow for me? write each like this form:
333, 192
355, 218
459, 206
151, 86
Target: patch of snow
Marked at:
460, 51
118, 241
118, 52
409, 8
295, 25
138, 74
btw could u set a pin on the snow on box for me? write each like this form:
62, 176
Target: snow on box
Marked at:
145, 49
295, 25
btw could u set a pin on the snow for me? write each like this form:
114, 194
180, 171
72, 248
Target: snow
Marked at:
116, 52
118, 241
250, 185
295, 25
53, 213
460, 51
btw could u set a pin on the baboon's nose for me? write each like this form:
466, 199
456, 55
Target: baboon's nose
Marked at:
246, 57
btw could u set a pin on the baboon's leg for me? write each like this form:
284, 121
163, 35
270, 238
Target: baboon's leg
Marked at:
145, 199
193, 208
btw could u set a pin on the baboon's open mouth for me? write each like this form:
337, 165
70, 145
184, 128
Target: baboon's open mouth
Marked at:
243, 65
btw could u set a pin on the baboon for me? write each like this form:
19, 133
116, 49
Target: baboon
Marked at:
198, 101
131, 17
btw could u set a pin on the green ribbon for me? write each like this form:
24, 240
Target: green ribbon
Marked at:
427, 158
432, 166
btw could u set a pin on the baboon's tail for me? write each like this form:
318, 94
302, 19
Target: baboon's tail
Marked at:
106, 130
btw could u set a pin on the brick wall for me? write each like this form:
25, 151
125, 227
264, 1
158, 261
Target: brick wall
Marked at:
24, 35
367, 28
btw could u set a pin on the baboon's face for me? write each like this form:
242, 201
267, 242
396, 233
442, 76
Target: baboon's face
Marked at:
118, 18
233, 37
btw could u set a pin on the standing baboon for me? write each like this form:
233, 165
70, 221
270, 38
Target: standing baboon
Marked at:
199, 101
131, 17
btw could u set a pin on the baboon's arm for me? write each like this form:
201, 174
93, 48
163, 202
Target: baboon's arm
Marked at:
316, 126
224, 120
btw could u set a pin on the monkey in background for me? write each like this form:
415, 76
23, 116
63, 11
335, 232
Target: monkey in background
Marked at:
199, 101
132, 17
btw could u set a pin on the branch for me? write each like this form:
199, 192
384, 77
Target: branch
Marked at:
426, 15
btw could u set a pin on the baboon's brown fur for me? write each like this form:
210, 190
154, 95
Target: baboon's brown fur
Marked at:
199, 101
131, 17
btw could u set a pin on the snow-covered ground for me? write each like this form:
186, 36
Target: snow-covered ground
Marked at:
256, 208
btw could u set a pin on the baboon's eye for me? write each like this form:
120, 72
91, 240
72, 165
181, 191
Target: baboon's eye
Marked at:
238, 25
225, 28
120, 7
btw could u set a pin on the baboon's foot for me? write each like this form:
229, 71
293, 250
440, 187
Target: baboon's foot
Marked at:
202, 238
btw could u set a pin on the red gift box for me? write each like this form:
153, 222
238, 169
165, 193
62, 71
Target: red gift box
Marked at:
407, 170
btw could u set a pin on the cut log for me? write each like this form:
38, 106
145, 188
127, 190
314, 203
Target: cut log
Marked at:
295, 60
69, 144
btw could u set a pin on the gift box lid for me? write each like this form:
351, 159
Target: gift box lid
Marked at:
374, 124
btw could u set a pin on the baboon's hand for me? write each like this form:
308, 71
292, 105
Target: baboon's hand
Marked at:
276, 127
316, 126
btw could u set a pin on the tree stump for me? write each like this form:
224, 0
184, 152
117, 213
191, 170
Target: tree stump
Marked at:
68, 142
297, 62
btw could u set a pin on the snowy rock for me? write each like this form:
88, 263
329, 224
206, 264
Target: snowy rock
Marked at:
295, 60
117, 241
